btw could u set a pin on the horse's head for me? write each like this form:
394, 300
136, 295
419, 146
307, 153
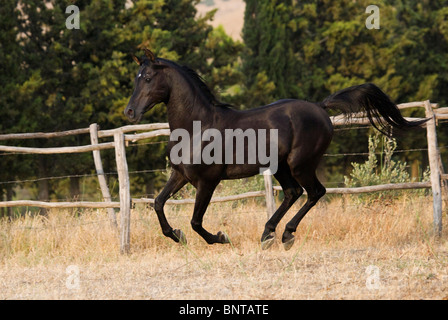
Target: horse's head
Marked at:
150, 87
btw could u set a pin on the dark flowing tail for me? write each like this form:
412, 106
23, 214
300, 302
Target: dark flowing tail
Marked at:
368, 98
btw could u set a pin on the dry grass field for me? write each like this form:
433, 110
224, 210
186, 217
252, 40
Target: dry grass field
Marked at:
343, 250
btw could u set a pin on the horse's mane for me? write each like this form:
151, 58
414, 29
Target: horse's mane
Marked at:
198, 82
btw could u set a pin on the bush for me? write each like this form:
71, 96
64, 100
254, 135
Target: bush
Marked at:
381, 149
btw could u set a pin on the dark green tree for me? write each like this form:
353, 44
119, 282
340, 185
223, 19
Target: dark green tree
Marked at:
60, 63
269, 51
333, 49
74, 77
12, 167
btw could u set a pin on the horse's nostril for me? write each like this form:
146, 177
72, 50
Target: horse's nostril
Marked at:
130, 112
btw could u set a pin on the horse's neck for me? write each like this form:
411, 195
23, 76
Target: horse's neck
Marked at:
184, 107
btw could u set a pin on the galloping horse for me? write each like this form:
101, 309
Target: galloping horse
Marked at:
304, 131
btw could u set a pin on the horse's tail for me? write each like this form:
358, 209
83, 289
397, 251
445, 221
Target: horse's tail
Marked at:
378, 107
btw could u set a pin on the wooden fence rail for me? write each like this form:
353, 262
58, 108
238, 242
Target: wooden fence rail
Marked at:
376, 188
121, 136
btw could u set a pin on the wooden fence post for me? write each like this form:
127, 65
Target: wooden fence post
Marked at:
100, 172
125, 194
270, 201
433, 154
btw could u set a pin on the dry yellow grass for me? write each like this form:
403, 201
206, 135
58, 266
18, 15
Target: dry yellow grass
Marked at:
335, 245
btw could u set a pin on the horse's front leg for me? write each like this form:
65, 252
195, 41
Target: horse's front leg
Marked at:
174, 184
203, 196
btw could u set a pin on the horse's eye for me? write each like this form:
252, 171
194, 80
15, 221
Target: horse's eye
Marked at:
148, 79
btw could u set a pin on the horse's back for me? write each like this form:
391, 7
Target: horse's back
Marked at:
291, 114
304, 128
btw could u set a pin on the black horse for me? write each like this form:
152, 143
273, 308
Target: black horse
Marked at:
304, 131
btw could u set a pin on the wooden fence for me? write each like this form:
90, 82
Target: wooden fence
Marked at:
121, 136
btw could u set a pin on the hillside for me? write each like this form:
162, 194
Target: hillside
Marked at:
230, 14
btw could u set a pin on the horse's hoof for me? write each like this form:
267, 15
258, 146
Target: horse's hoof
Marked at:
180, 236
222, 237
288, 244
267, 242
288, 240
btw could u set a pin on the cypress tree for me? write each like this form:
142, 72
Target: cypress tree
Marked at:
269, 50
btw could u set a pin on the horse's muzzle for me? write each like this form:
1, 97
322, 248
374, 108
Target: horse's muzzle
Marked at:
131, 115
129, 112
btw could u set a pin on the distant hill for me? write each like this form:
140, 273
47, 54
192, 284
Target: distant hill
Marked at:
230, 14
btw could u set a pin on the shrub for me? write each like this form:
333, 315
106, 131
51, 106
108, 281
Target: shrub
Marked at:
369, 173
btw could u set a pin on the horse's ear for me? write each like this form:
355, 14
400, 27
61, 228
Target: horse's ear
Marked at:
151, 56
137, 60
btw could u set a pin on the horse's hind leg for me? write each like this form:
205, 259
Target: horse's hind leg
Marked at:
174, 184
315, 190
292, 191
